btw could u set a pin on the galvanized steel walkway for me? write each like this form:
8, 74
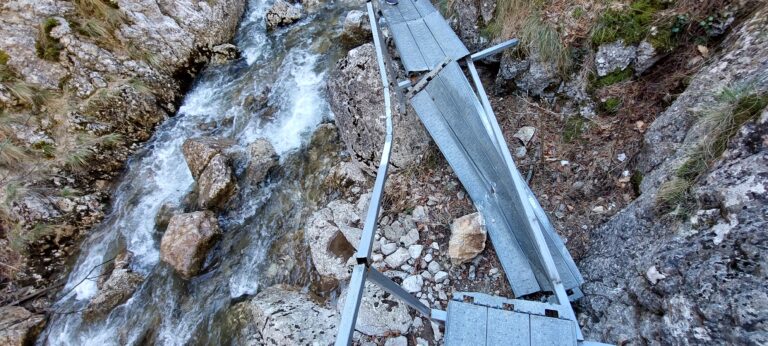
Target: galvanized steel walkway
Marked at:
462, 123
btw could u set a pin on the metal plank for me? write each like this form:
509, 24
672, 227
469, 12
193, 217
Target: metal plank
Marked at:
391, 13
410, 55
547, 331
466, 324
408, 10
448, 89
495, 49
508, 328
512, 258
427, 44
516, 305
449, 42
424, 7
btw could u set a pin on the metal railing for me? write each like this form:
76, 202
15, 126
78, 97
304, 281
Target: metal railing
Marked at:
364, 270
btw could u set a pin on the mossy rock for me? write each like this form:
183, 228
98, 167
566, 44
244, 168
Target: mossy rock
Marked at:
610, 79
631, 24
47, 47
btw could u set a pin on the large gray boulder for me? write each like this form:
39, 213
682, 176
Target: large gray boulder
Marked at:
19, 327
187, 240
261, 158
282, 315
356, 97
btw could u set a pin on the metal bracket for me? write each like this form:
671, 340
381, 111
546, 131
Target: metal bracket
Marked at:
495, 49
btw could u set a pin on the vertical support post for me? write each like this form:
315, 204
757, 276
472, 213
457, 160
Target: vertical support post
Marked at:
351, 305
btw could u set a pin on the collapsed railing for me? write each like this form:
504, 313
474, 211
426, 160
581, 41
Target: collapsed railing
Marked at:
535, 215
364, 270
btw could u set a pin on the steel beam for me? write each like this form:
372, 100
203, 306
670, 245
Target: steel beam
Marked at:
398, 291
493, 50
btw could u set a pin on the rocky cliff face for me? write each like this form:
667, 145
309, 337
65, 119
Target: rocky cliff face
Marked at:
698, 277
81, 84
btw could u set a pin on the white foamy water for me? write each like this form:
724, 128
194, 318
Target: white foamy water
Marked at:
166, 309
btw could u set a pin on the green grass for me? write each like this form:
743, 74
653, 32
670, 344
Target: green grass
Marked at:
4, 57
631, 24
540, 36
47, 47
720, 125
611, 105
573, 129
610, 79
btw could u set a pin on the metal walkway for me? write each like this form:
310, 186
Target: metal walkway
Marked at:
462, 123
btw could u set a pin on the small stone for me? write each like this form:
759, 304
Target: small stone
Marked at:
622, 157
420, 214
421, 342
388, 249
525, 134
599, 209
434, 267
377, 257
415, 250
426, 275
435, 246
398, 258
411, 238
440, 275
397, 341
493, 271
468, 238
428, 258
413, 284
520, 152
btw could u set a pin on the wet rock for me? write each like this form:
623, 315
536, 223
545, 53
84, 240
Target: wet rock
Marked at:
380, 314
467, 238
530, 75
283, 13
282, 315
187, 240
120, 285
164, 215
261, 158
198, 152
356, 98
216, 184
357, 29
19, 327
613, 57
223, 53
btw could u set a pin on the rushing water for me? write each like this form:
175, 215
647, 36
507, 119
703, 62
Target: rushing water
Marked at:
290, 65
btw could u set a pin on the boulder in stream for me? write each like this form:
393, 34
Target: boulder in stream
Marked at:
187, 240
282, 315
357, 29
261, 158
118, 287
18, 326
210, 166
283, 13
